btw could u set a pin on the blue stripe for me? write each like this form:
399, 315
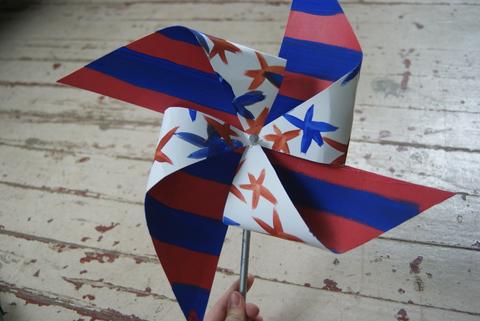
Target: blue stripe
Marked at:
352, 74
187, 230
220, 168
180, 33
319, 60
364, 207
191, 298
229, 221
166, 77
281, 106
318, 7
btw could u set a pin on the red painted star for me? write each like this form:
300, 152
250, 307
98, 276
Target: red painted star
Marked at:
280, 139
257, 123
340, 160
220, 46
277, 229
233, 189
223, 130
258, 75
159, 155
256, 186
239, 166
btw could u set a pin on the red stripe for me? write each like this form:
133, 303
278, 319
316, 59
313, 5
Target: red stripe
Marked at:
206, 198
186, 266
332, 30
179, 52
301, 86
358, 179
335, 232
98, 82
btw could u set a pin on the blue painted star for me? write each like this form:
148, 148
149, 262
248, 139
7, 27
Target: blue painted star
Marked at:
241, 102
193, 114
311, 130
213, 145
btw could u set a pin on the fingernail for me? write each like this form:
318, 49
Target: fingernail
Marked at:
234, 301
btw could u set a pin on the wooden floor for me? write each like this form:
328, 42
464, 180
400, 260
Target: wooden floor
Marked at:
73, 167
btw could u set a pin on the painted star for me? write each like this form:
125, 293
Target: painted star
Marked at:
340, 160
193, 114
247, 99
239, 166
255, 125
265, 72
213, 145
277, 229
159, 155
220, 46
233, 189
256, 186
241, 102
223, 130
280, 140
311, 129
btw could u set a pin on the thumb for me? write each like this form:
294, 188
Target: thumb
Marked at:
236, 307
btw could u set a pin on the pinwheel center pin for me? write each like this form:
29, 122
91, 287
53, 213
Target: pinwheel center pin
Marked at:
254, 140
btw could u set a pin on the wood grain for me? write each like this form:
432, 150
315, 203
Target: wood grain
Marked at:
73, 167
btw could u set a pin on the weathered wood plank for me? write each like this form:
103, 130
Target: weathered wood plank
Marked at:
266, 20
66, 170
21, 305
223, 11
274, 2
417, 26
435, 129
433, 64
55, 267
451, 224
441, 228
350, 309
73, 281
384, 89
425, 165
389, 58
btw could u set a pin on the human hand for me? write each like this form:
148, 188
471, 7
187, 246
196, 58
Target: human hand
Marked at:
231, 306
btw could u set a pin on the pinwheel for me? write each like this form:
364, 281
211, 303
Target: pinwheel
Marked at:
252, 140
